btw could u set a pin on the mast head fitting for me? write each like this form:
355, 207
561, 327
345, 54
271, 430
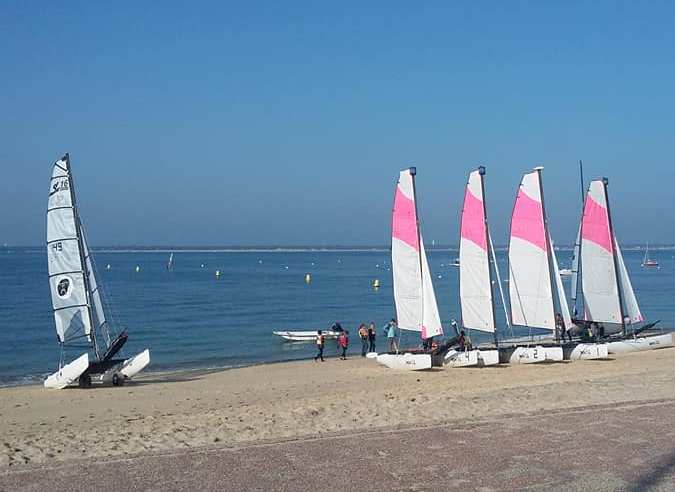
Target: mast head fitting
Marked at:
481, 170
413, 171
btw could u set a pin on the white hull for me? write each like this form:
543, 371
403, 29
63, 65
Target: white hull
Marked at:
586, 351
488, 357
68, 374
639, 344
553, 354
304, 336
524, 355
464, 358
136, 364
405, 362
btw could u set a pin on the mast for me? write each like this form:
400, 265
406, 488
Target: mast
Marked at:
413, 173
83, 263
547, 237
605, 182
574, 281
481, 173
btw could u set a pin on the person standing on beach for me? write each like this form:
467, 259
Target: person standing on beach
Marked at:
390, 330
343, 342
320, 340
363, 334
372, 334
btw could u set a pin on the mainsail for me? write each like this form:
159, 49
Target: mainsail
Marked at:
475, 280
414, 296
68, 280
599, 282
530, 286
607, 290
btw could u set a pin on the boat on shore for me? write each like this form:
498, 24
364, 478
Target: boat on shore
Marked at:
308, 335
610, 307
78, 307
414, 295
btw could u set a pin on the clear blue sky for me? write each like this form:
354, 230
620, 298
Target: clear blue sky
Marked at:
286, 123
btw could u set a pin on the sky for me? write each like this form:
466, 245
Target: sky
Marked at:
254, 123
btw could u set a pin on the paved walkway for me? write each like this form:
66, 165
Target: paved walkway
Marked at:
629, 448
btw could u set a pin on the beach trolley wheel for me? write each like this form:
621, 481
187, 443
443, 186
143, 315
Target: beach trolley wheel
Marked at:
117, 380
85, 381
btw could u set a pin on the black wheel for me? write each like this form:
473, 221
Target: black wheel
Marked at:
85, 381
117, 380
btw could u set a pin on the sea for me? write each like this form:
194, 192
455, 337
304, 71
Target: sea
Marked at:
217, 308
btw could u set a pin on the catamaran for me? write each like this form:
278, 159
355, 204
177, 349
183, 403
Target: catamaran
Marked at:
609, 302
475, 275
414, 296
76, 300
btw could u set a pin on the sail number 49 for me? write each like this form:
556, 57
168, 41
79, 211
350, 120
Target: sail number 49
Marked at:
57, 247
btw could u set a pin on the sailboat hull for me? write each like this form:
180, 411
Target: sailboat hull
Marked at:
68, 374
640, 344
462, 358
136, 364
525, 355
585, 351
405, 362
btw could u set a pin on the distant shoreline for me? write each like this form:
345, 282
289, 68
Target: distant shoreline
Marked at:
284, 249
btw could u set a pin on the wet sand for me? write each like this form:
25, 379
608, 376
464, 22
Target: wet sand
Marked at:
583, 425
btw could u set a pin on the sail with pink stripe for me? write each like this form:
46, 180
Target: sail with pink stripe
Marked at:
599, 283
414, 296
530, 288
475, 287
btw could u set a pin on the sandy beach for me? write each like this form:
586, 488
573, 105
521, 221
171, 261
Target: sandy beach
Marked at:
276, 404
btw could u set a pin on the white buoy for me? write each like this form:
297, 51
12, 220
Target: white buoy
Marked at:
138, 269
108, 266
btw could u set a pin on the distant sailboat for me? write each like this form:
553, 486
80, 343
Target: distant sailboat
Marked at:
169, 264
414, 296
78, 309
647, 262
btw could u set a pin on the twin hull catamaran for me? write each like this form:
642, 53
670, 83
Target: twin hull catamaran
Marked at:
76, 300
414, 296
609, 302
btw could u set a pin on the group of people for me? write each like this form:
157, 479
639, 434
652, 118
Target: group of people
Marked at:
368, 337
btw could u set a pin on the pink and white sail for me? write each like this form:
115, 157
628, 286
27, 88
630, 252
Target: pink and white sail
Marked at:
475, 289
530, 289
414, 296
601, 288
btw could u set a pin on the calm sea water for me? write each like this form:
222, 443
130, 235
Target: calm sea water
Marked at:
190, 319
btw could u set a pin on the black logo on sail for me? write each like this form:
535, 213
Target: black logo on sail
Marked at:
63, 287
59, 186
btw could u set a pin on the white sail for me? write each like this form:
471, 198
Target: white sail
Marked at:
530, 275
414, 297
70, 299
95, 294
475, 289
630, 303
562, 300
574, 277
598, 274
